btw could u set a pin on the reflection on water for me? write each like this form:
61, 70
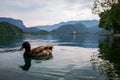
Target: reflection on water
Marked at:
27, 64
10, 41
108, 59
72, 55
28, 60
83, 40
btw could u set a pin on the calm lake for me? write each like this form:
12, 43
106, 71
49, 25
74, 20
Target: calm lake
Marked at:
75, 57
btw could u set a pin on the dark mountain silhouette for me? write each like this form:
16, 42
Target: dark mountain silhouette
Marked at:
15, 22
9, 29
70, 29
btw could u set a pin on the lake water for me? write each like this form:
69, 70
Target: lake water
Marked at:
75, 57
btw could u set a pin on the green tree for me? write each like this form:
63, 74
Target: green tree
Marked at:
103, 5
109, 13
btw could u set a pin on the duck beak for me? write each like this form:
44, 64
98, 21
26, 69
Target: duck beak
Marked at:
21, 48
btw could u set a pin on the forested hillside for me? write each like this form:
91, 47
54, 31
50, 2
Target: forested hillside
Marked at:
9, 29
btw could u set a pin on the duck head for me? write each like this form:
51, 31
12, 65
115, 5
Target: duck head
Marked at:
26, 46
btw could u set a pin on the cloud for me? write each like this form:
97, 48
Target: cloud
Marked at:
41, 12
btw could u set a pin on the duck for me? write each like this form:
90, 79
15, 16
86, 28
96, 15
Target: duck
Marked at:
39, 51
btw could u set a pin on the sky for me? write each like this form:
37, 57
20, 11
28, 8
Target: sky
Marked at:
47, 12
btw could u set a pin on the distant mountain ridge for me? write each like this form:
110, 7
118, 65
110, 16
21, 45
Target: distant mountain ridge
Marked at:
87, 23
70, 29
15, 22
92, 25
95, 29
31, 29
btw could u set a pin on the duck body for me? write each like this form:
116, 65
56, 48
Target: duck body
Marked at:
38, 51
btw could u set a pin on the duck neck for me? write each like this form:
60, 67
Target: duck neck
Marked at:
27, 49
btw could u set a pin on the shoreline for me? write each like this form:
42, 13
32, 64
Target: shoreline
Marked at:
114, 35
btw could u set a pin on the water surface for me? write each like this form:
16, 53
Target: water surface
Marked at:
74, 58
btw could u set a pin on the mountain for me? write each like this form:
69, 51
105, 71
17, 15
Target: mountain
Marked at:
36, 31
70, 29
31, 29
49, 27
90, 23
19, 24
41, 32
9, 29
97, 30
15, 22
94, 29
87, 23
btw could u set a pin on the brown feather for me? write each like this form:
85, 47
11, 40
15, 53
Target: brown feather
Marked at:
41, 50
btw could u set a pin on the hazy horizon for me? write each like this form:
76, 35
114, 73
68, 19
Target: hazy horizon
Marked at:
45, 12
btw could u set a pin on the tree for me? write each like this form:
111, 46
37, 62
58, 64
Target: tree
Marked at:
103, 5
108, 11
